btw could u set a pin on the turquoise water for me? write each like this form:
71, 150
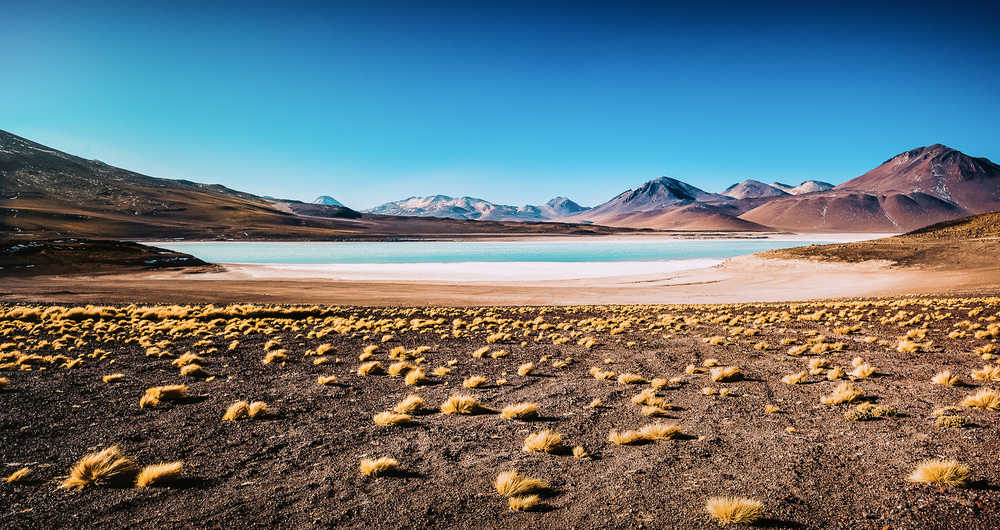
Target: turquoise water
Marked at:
563, 251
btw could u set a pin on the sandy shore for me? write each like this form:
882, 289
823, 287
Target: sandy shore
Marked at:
741, 279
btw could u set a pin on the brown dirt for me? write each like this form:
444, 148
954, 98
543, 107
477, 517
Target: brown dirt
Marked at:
66, 256
298, 467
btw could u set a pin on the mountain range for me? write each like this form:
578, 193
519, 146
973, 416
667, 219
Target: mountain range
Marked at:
46, 192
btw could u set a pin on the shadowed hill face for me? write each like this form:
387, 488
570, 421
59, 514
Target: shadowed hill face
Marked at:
45, 193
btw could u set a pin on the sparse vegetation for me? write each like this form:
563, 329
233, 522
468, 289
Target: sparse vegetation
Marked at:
734, 510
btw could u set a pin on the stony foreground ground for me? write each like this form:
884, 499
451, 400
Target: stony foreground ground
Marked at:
297, 465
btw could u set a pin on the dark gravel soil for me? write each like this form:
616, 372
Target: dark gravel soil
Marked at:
298, 466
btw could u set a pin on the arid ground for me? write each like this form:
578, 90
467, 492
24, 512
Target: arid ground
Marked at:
297, 465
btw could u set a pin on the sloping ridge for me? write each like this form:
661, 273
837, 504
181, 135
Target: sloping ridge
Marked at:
913, 189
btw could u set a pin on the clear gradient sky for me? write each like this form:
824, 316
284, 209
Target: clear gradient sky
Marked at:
512, 104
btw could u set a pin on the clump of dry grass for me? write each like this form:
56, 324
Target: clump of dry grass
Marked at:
843, 393
945, 378
986, 398
525, 369
193, 370
389, 418
158, 473
987, 373
326, 379
869, 411
474, 381
397, 368
794, 379
371, 368
734, 510
410, 404
660, 431
597, 373
18, 475
544, 441
102, 468
441, 371
110, 378
186, 359
274, 356
862, 371
631, 379
236, 411
725, 373
463, 404
580, 452
835, 373
415, 377
156, 394
378, 466
523, 503
257, 408
520, 411
771, 409
512, 483
942, 472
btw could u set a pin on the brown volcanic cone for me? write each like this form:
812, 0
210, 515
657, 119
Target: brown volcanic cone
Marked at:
913, 189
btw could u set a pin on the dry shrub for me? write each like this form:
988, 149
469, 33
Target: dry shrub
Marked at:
274, 355
986, 398
370, 368
158, 473
193, 370
987, 373
415, 377
326, 379
660, 431
111, 378
474, 381
379, 466
941, 472
441, 371
631, 379
950, 421
462, 404
734, 510
389, 418
869, 411
525, 369
102, 468
523, 503
157, 394
520, 411
835, 373
544, 441
843, 393
945, 378
863, 371
410, 404
512, 483
236, 411
725, 373
257, 408
186, 359
580, 452
397, 368
794, 379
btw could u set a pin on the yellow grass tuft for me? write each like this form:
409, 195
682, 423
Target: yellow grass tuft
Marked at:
987, 373
771, 409
630, 379
236, 411
594, 404
659, 383
544, 441
734, 510
410, 404
257, 408
18, 475
580, 452
478, 354
597, 373
950, 421
154, 395
523, 503
186, 359
986, 398
843, 393
520, 411
389, 418
274, 356
863, 371
103, 468
724, 373
415, 377
158, 473
945, 378
441, 371
462, 404
397, 368
794, 379
942, 472
111, 378
193, 370
474, 381
512, 483
326, 379
525, 369
370, 368
660, 431
835, 373
378, 466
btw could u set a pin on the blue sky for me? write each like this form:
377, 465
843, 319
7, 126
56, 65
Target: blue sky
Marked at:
513, 104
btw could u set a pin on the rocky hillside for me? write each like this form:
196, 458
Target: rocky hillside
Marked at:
478, 209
